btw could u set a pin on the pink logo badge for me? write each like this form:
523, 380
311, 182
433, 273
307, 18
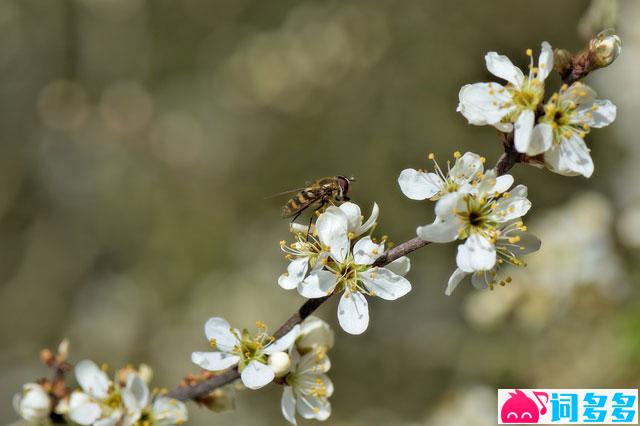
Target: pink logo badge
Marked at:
519, 408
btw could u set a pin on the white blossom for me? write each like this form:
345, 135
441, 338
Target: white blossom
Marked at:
33, 404
101, 402
314, 333
307, 387
477, 219
349, 269
250, 353
513, 105
511, 242
568, 117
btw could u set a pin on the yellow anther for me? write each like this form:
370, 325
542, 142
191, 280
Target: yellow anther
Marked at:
431, 156
351, 235
104, 367
529, 52
515, 239
582, 135
506, 195
456, 154
483, 160
508, 279
212, 343
283, 243
260, 325
594, 107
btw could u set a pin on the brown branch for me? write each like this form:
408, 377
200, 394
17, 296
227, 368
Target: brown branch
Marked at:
573, 69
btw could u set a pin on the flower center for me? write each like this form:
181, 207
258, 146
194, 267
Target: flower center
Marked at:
250, 347
528, 96
477, 217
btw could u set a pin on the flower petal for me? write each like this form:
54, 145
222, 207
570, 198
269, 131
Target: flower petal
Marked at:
365, 251
257, 375
577, 93
288, 405
333, 229
511, 208
541, 139
296, 271
476, 254
480, 280
284, 343
502, 67
320, 283
219, 330
545, 61
484, 103
168, 412
353, 312
214, 361
523, 130
82, 409
418, 185
441, 230
596, 114
400, 266
385, 284
137, 388
373, 218
92, 379
570, 158
446, 204
455, 279
353, 214
312, 407
466, 168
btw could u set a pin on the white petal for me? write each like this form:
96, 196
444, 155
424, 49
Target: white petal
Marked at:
333, 228
466, 168
315, 332
541, 139
455, 279
288, 405
441, 230
597, 114
353, 313
519, 191
296, 271
571, 157
365, 251
92, 379
523, 129
82, 410
318, 284
501, 66
476, 254
528, 243
112, 420
577, 93
511, 208
480, 280
214, 361
138, 389
484, 103
311, 407
400, 266
503, 183
545, 61
385, 284
353, 214
446, 204
168, 412
418, 185
373, 218
284, 343
256, 375
222, 333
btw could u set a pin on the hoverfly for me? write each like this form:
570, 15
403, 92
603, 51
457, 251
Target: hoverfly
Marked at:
332, 189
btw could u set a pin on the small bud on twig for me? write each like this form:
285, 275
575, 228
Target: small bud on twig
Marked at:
605, 48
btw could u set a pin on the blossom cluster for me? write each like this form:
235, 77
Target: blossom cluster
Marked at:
338, 257
100, 401
555, 129
298, 360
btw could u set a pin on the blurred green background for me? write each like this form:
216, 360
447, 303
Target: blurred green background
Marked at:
139, 140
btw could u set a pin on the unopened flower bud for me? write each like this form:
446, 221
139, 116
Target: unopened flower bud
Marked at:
605, 48
33, 403
219, 400
280, 363
314, 333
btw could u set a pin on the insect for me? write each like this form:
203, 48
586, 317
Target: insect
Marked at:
332, 189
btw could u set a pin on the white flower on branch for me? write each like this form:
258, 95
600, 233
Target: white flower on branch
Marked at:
512, 105
33, 404
478, 218
307, 387
348, 269
102, 402
568, 117
314, 333
250, 353
511, 242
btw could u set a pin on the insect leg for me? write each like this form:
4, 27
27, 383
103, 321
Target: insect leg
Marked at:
323, 201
